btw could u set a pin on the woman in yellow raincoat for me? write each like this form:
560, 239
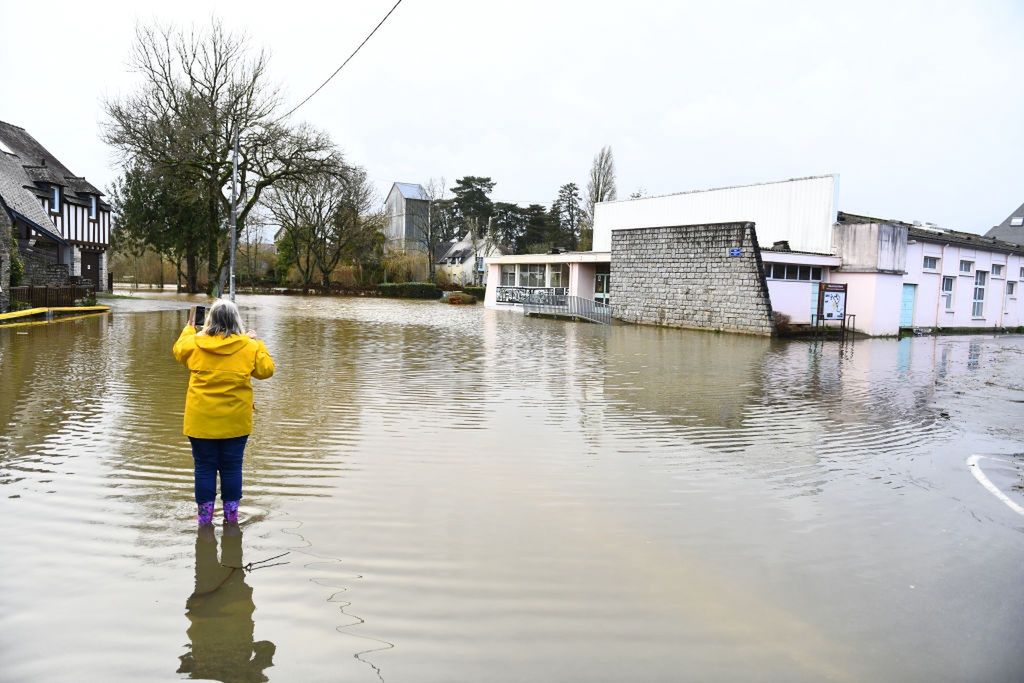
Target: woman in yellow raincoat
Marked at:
218, 406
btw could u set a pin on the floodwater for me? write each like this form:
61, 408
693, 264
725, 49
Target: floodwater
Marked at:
471, 495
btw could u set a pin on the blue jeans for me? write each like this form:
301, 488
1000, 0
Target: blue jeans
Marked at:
218, 455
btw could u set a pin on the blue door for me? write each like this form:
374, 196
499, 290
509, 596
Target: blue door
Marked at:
907, 306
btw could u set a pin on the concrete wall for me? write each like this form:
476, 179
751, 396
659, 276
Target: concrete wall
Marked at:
801, 211
683, 276
874, 298
871, 246
794, 298
582, 279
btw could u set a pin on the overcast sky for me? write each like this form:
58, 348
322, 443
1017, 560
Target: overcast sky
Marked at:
918, 106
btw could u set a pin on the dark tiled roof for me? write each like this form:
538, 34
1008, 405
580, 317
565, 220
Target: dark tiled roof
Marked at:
16, 196
1008, 232
43, 166
940, 235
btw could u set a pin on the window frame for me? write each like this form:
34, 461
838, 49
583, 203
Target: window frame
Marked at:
970, 267
508, 269
793, 272
978, 304
55, 199
997, 273
1011, 289
529, 273
932, 268
559, 269
94, 208
947, 293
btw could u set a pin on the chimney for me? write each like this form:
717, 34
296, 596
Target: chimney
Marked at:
781, 245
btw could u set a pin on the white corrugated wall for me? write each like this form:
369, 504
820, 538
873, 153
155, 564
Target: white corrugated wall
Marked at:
801, 211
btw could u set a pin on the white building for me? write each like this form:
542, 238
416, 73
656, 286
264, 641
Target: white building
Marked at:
800, 211
898, 275
904, 276
461, 262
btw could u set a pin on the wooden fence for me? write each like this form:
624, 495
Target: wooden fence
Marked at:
50, 296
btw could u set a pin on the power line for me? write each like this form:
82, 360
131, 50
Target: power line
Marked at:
354, 53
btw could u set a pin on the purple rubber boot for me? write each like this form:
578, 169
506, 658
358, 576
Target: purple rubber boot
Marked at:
231, 512
205, 515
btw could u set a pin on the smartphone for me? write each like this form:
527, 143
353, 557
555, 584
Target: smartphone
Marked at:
200, 319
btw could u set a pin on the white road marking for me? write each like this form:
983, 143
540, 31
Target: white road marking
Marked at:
972, 462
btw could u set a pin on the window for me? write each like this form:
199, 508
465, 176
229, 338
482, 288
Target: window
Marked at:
1022, 272
931, 263
479, 264
92, 207
55, 200
560, 275
966, 266
532, 275
1011, 288
789, 271
1017, 221
979, 294
997, 270
508, 275
947, 292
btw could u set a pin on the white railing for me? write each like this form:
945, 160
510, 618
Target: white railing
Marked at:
565, 306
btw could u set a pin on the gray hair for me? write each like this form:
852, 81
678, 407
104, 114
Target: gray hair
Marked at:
223, 318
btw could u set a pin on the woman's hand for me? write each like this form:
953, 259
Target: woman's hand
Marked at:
251, 334
192, 316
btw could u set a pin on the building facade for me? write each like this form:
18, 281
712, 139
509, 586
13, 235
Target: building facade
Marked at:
408, 209
898, 275
60, 220
461, 262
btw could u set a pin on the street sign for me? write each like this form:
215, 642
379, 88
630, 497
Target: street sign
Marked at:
735, 251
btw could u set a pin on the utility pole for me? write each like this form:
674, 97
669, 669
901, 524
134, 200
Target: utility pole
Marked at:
234, 217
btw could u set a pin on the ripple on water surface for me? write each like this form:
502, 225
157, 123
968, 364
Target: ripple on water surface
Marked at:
473, 495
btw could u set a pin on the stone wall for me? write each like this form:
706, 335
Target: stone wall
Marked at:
43, 269
5, 261
684, 276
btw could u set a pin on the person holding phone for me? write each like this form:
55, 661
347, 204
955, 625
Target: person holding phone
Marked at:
218, 405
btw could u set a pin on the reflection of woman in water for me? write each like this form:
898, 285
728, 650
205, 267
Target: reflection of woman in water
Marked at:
220, 611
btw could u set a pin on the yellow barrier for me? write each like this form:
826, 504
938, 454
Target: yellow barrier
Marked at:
62, 310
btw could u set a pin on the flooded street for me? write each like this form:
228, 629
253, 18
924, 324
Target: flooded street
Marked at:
471, 495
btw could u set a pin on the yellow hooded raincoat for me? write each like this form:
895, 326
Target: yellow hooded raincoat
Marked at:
218, 404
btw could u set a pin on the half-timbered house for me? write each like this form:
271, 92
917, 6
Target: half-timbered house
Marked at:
73, 239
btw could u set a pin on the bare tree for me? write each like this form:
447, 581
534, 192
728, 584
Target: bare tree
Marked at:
430, 228
201, 90
326, 219
600, 188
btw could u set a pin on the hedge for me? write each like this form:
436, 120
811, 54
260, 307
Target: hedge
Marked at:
409, 290
475, 291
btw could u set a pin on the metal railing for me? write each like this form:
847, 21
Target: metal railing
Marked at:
529, 295
565, 306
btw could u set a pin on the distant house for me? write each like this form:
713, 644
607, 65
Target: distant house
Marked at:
462, 261
60, 220
1010, 230
408, 209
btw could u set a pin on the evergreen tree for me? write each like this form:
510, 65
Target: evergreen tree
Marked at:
509, 227
473, 204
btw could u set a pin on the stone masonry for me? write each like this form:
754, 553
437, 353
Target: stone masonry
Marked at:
5, 261
684, 276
